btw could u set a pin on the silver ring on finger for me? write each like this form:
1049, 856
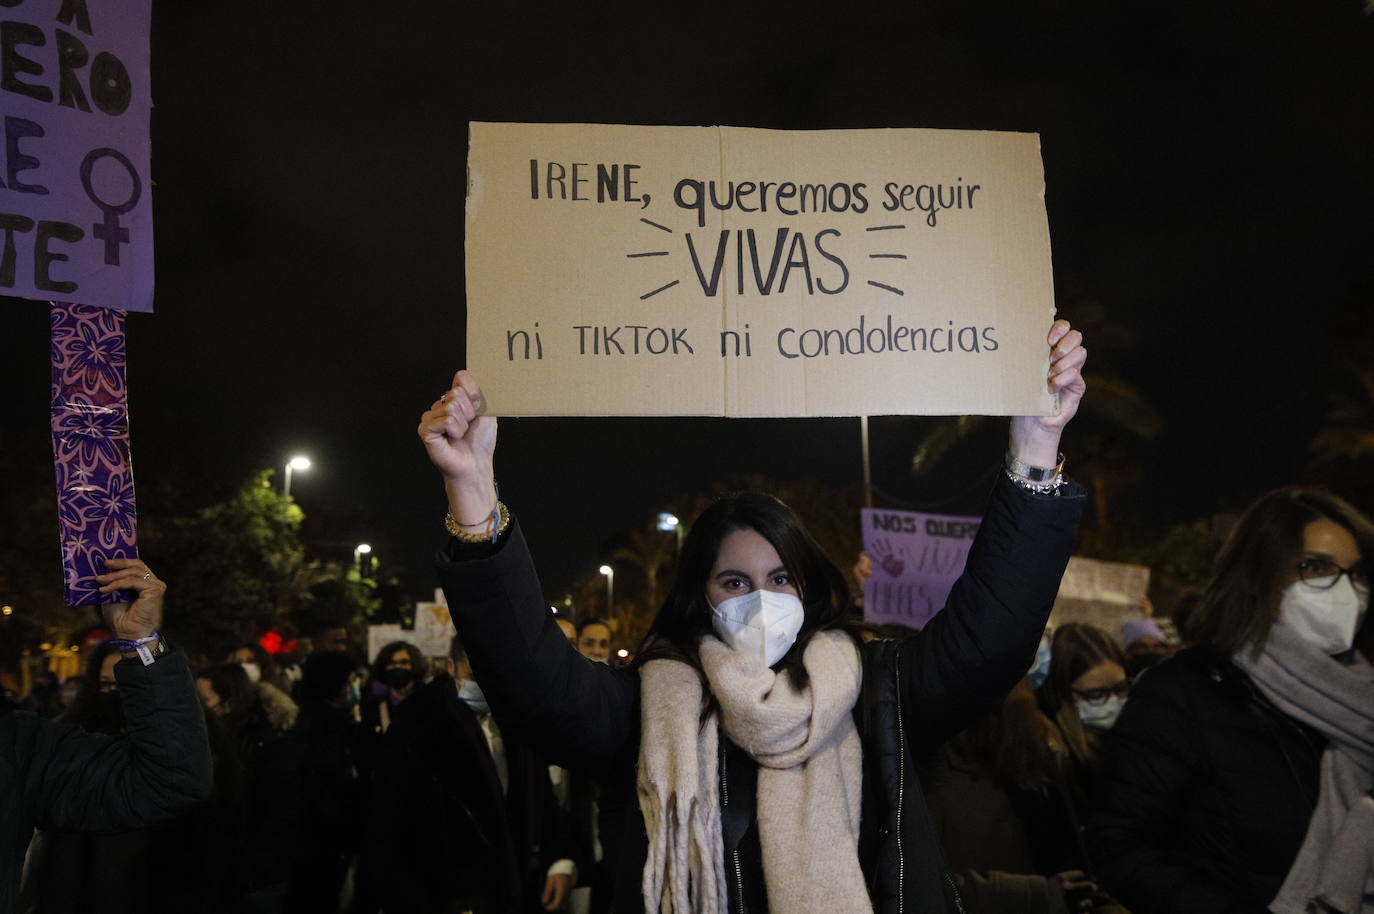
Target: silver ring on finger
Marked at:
147, 575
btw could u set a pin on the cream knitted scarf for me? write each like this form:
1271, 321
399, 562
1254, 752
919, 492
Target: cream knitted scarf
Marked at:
809, 785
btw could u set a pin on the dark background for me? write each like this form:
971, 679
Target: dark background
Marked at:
1208, 171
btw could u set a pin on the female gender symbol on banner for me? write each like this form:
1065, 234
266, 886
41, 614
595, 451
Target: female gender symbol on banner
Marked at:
90, 440
110, 231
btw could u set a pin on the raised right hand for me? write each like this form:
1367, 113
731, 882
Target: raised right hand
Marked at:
461, 443
142, 617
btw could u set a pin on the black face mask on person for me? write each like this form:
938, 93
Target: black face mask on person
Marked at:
398, 677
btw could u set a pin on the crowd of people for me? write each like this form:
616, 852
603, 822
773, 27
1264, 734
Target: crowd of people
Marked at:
763, 750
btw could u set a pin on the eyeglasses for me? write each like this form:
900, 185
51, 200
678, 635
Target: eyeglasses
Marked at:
1322, 573
1099, 696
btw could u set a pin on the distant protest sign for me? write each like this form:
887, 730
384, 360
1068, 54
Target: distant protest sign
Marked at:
616, 270
916, 560
75, 190
1104, 594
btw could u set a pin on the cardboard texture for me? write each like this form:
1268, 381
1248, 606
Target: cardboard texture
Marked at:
720, 271
1104, 594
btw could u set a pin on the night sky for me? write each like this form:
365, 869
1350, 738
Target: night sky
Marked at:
1208, 171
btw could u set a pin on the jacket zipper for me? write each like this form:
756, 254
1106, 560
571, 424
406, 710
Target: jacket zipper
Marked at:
901, 792
734, 854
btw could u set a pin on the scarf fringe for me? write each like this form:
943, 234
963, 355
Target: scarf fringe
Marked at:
808, 798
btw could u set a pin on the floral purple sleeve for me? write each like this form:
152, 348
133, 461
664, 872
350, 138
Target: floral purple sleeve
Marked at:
90, 440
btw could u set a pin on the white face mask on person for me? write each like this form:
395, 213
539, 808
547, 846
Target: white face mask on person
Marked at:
253, 670
1326, 618
471, 694
761, 623
1101, 716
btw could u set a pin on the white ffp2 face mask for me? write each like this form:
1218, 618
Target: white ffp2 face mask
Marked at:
1326, 619
761, 623
1101, 716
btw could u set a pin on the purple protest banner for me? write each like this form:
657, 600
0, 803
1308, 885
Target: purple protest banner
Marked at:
90, 443
916, 560
76, 199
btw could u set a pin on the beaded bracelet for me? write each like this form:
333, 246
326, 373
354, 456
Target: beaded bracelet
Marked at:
1039, 480
498, 522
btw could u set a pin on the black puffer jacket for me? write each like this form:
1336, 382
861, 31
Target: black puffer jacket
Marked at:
1205, 792
916, 692
54, 774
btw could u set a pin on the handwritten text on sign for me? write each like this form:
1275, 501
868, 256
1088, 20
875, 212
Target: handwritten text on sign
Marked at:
916, 560
75, 195
618, 270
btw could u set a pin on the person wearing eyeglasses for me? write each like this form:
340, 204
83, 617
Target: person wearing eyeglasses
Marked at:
1238, 778
1083, 696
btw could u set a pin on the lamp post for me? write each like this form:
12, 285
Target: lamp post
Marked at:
668, 522
609, 572
295, 463
359, 551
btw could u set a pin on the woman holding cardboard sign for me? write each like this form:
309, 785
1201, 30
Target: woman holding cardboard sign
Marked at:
774, 751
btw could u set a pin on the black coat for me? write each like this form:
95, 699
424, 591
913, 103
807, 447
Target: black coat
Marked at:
56, 775
1205, 792
916, 692
442, 829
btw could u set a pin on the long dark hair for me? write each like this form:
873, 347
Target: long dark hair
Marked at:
686, 616
1258, 561
1075, 649
1015, 742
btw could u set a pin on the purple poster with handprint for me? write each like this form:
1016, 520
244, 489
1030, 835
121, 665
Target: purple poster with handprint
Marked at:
90, 441
916, 560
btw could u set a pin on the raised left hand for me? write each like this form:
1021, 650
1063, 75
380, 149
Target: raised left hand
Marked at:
1035, 439
140, 618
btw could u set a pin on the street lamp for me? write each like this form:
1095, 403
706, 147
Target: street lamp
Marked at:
360, 550
609, 572
295, 463
669, 523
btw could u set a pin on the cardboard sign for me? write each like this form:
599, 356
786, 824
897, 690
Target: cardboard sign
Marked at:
76, 206
434, 630
96, 513
916, 560
718, 271
1104, 594
379, 636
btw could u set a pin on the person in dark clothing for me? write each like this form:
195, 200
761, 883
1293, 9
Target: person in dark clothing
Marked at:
1083, 695
1009, 831
45, 697
333, 815
258, 719
463, 815
1237, 780
73, 870
752, 709
55, 774
400, 669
